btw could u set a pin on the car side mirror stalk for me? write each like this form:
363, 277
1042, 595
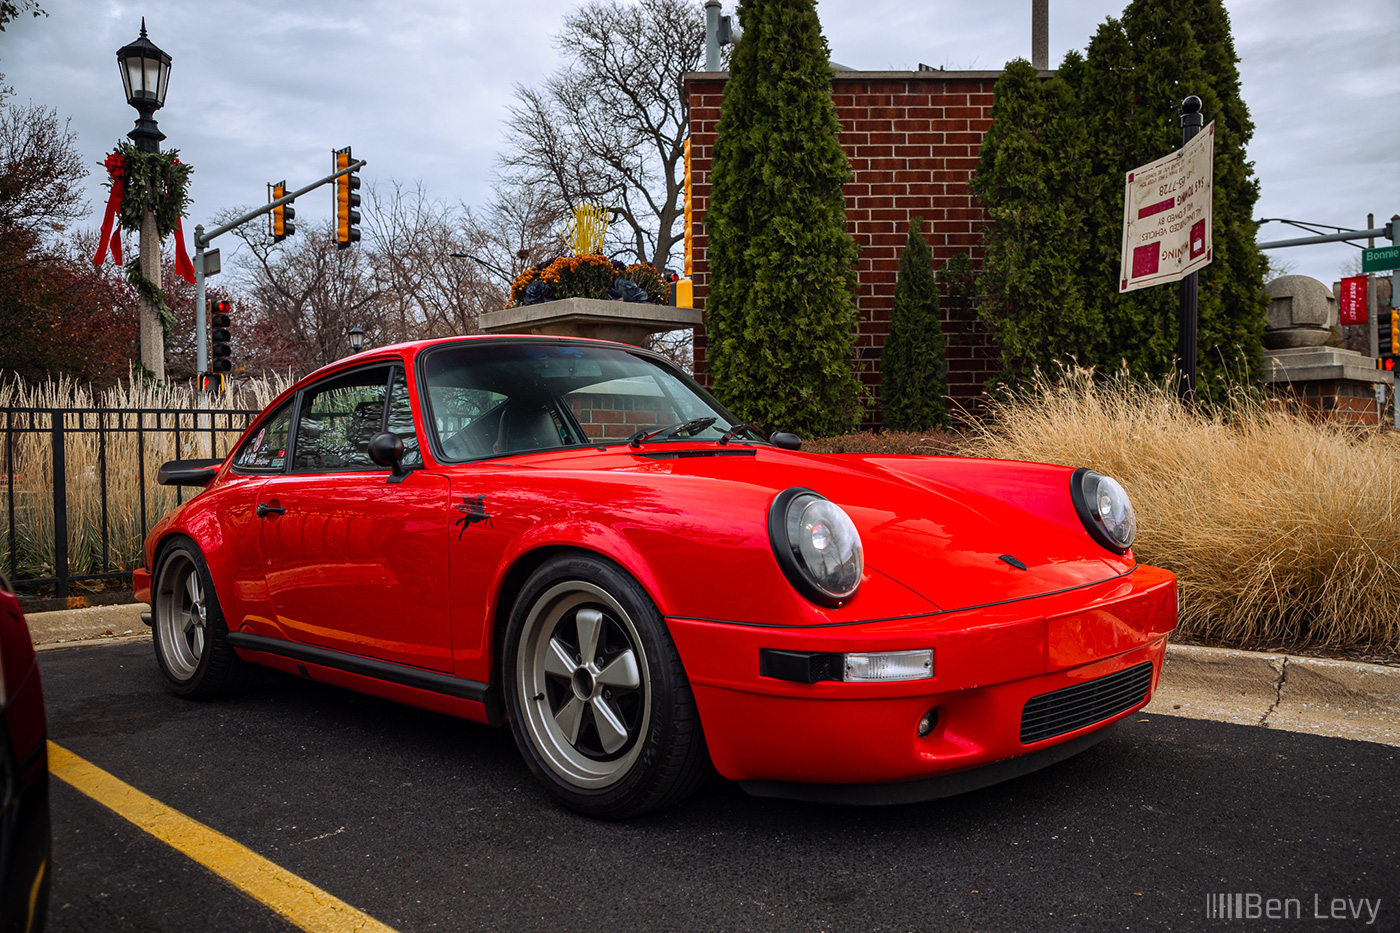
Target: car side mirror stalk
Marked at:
386, 449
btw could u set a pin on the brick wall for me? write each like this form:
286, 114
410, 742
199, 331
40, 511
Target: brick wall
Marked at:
913, 140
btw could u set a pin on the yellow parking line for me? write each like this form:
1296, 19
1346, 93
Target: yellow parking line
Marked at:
298, 900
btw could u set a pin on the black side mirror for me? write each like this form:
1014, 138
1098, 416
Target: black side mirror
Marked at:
785, 440
386, 449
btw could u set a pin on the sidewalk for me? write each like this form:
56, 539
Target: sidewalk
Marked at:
1346, 699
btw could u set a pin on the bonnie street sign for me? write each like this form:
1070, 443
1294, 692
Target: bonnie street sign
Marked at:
1167, 215
1380, 259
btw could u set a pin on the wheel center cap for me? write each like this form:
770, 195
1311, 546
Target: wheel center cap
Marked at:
583, 684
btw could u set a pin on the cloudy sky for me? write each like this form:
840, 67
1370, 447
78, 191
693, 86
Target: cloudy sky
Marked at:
262, 90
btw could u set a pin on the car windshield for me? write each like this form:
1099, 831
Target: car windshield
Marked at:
486, 398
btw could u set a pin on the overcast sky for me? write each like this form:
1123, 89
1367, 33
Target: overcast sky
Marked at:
263, 90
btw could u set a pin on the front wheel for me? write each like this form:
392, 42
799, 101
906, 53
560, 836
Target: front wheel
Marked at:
598, 700
188, 625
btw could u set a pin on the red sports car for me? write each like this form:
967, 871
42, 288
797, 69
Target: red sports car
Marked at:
572, 537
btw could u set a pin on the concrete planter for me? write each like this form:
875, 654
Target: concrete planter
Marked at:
622, 321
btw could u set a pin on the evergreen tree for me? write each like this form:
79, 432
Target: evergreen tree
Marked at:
914, 363
781, 312
1033, 166
1125, 96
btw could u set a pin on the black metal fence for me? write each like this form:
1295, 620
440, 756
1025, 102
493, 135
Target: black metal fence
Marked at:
78, 487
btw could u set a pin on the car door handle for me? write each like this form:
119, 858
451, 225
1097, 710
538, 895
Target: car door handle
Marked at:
264, 509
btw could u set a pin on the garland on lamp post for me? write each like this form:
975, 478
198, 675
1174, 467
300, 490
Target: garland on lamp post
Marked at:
138, 180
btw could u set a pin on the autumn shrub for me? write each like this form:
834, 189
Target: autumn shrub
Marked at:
1282, 531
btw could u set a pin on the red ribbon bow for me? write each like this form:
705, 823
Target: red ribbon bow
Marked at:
116, 170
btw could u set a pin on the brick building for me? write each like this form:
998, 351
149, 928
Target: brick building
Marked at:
913, 140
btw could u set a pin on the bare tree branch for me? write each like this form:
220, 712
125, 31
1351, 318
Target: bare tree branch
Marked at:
610, 127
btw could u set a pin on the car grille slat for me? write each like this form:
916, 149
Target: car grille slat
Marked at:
1071, 708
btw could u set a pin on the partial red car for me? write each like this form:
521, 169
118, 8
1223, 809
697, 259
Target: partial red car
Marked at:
573, 538
25, 837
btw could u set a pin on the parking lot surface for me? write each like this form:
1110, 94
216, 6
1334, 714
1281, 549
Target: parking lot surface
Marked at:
429, 823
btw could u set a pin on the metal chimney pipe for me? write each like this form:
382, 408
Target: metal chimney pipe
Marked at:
1040, 34
712, 35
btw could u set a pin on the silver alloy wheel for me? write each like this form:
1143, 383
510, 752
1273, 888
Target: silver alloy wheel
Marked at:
584, 684
181, 616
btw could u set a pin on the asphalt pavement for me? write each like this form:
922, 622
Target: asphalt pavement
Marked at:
429, 823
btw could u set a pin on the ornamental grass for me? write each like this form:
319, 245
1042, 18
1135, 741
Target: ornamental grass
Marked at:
27, 457
1284, 532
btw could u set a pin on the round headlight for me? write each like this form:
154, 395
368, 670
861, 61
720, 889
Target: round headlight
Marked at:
1104, 509
816, 545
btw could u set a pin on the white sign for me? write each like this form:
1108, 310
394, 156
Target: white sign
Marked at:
1167, 216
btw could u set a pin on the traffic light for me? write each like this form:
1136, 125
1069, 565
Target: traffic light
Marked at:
213, 382
280, 220
1388, 338
220, 352
347, 199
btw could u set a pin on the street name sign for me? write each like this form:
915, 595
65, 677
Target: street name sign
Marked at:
1352, 299
1167, 215
1380, 259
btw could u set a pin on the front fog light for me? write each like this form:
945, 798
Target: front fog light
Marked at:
885, 666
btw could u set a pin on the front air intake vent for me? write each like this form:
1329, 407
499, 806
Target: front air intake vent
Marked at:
1052, 714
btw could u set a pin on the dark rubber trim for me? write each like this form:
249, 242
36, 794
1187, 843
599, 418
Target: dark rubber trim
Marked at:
930, 788
917, 615
688, 454
414, 677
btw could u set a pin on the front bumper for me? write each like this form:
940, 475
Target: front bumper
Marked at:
988, 663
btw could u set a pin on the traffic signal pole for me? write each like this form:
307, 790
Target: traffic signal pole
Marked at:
202, 241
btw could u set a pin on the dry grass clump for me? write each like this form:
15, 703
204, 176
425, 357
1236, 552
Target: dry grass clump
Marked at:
935, 442
94, 463
1282, 531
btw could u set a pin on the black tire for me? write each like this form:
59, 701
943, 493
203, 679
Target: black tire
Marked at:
188, 627
613, 735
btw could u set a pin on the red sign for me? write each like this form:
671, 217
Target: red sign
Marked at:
1352, 298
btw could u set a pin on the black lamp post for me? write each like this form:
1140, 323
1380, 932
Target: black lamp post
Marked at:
145, 72
356, 338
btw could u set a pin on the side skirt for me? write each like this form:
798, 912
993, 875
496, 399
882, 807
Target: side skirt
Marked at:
402, 675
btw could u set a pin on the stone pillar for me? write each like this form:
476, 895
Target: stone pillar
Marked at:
1328, 383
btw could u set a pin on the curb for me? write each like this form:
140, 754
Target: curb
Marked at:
1321, 696
1346, 699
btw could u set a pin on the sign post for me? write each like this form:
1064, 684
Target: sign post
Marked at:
1167, 226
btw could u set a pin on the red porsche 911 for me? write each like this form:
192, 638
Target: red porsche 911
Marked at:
573, 538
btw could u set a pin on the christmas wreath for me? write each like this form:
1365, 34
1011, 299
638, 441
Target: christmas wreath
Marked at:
138, 180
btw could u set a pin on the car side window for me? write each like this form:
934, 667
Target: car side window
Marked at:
338, 417
266, 450
401, 421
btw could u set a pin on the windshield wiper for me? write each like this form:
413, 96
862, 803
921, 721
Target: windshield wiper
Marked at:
752, 430
671, 430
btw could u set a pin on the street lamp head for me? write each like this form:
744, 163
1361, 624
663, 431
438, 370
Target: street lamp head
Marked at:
356, 339
145, 72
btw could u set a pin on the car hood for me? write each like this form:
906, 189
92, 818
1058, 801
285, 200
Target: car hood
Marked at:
943, 527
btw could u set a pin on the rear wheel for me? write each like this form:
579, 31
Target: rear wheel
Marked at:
598, 700
188, 626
